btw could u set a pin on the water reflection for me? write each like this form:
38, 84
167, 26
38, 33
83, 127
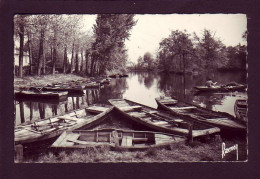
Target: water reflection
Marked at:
140, 87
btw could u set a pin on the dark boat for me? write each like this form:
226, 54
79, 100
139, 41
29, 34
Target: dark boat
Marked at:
225, 88
92, 85
115, 138
41, 95
70, 89
222, 120
114, 76
162, 121
118, 75
240, 109
42, 129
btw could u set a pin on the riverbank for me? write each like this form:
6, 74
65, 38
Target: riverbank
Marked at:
43, 80
195, 152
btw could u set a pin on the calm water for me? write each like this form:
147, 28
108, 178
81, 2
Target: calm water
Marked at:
141, 87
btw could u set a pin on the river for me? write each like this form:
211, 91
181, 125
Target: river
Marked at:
141, 87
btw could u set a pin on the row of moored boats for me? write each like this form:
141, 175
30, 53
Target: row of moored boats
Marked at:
60, 91
175, 121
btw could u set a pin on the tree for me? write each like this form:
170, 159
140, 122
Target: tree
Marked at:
148, 60
20, 22
110, 32
174, 50
40, 23
140, 63
209, 48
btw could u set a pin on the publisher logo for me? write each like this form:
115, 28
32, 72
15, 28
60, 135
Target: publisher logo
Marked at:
229, 149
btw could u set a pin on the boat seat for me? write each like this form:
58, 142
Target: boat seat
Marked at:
182, 108
70, 118
168, 101
160, 123
139, 115
77, 141
152, 112
96, 109
130, 108
218, 119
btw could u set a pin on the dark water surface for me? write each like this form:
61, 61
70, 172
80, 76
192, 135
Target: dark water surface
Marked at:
141, 87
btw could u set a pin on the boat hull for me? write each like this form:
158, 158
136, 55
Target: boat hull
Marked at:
165, 122
41, 95
115, 138
43, 129
222, 120
220, 88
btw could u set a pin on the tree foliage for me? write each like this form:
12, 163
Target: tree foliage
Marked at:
53, 42
108, 50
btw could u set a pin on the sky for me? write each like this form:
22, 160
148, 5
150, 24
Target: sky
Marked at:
151, 29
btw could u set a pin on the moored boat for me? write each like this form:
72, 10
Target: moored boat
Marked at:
162, 121
228, 87
240, 109
194, 112
115, 138
40, 95
70, 89
43, 129
92, 85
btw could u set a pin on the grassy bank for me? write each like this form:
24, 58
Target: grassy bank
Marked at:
28, 81
197, 151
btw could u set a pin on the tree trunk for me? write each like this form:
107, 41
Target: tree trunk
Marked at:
72, 59
21, 36
54, 51
86, 57
92, 66
54, 60
40, 55
65, 60
44, 60
30, 53
51, 53
77, 63
81, 64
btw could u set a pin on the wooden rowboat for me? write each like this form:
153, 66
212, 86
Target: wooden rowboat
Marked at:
240, 109
236, 87
222, 120
115, 138
92, 85
41, 95
70, 89
51, 127
162, 121
77, 84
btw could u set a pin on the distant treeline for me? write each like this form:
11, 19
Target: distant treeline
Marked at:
57, 43
180, 53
